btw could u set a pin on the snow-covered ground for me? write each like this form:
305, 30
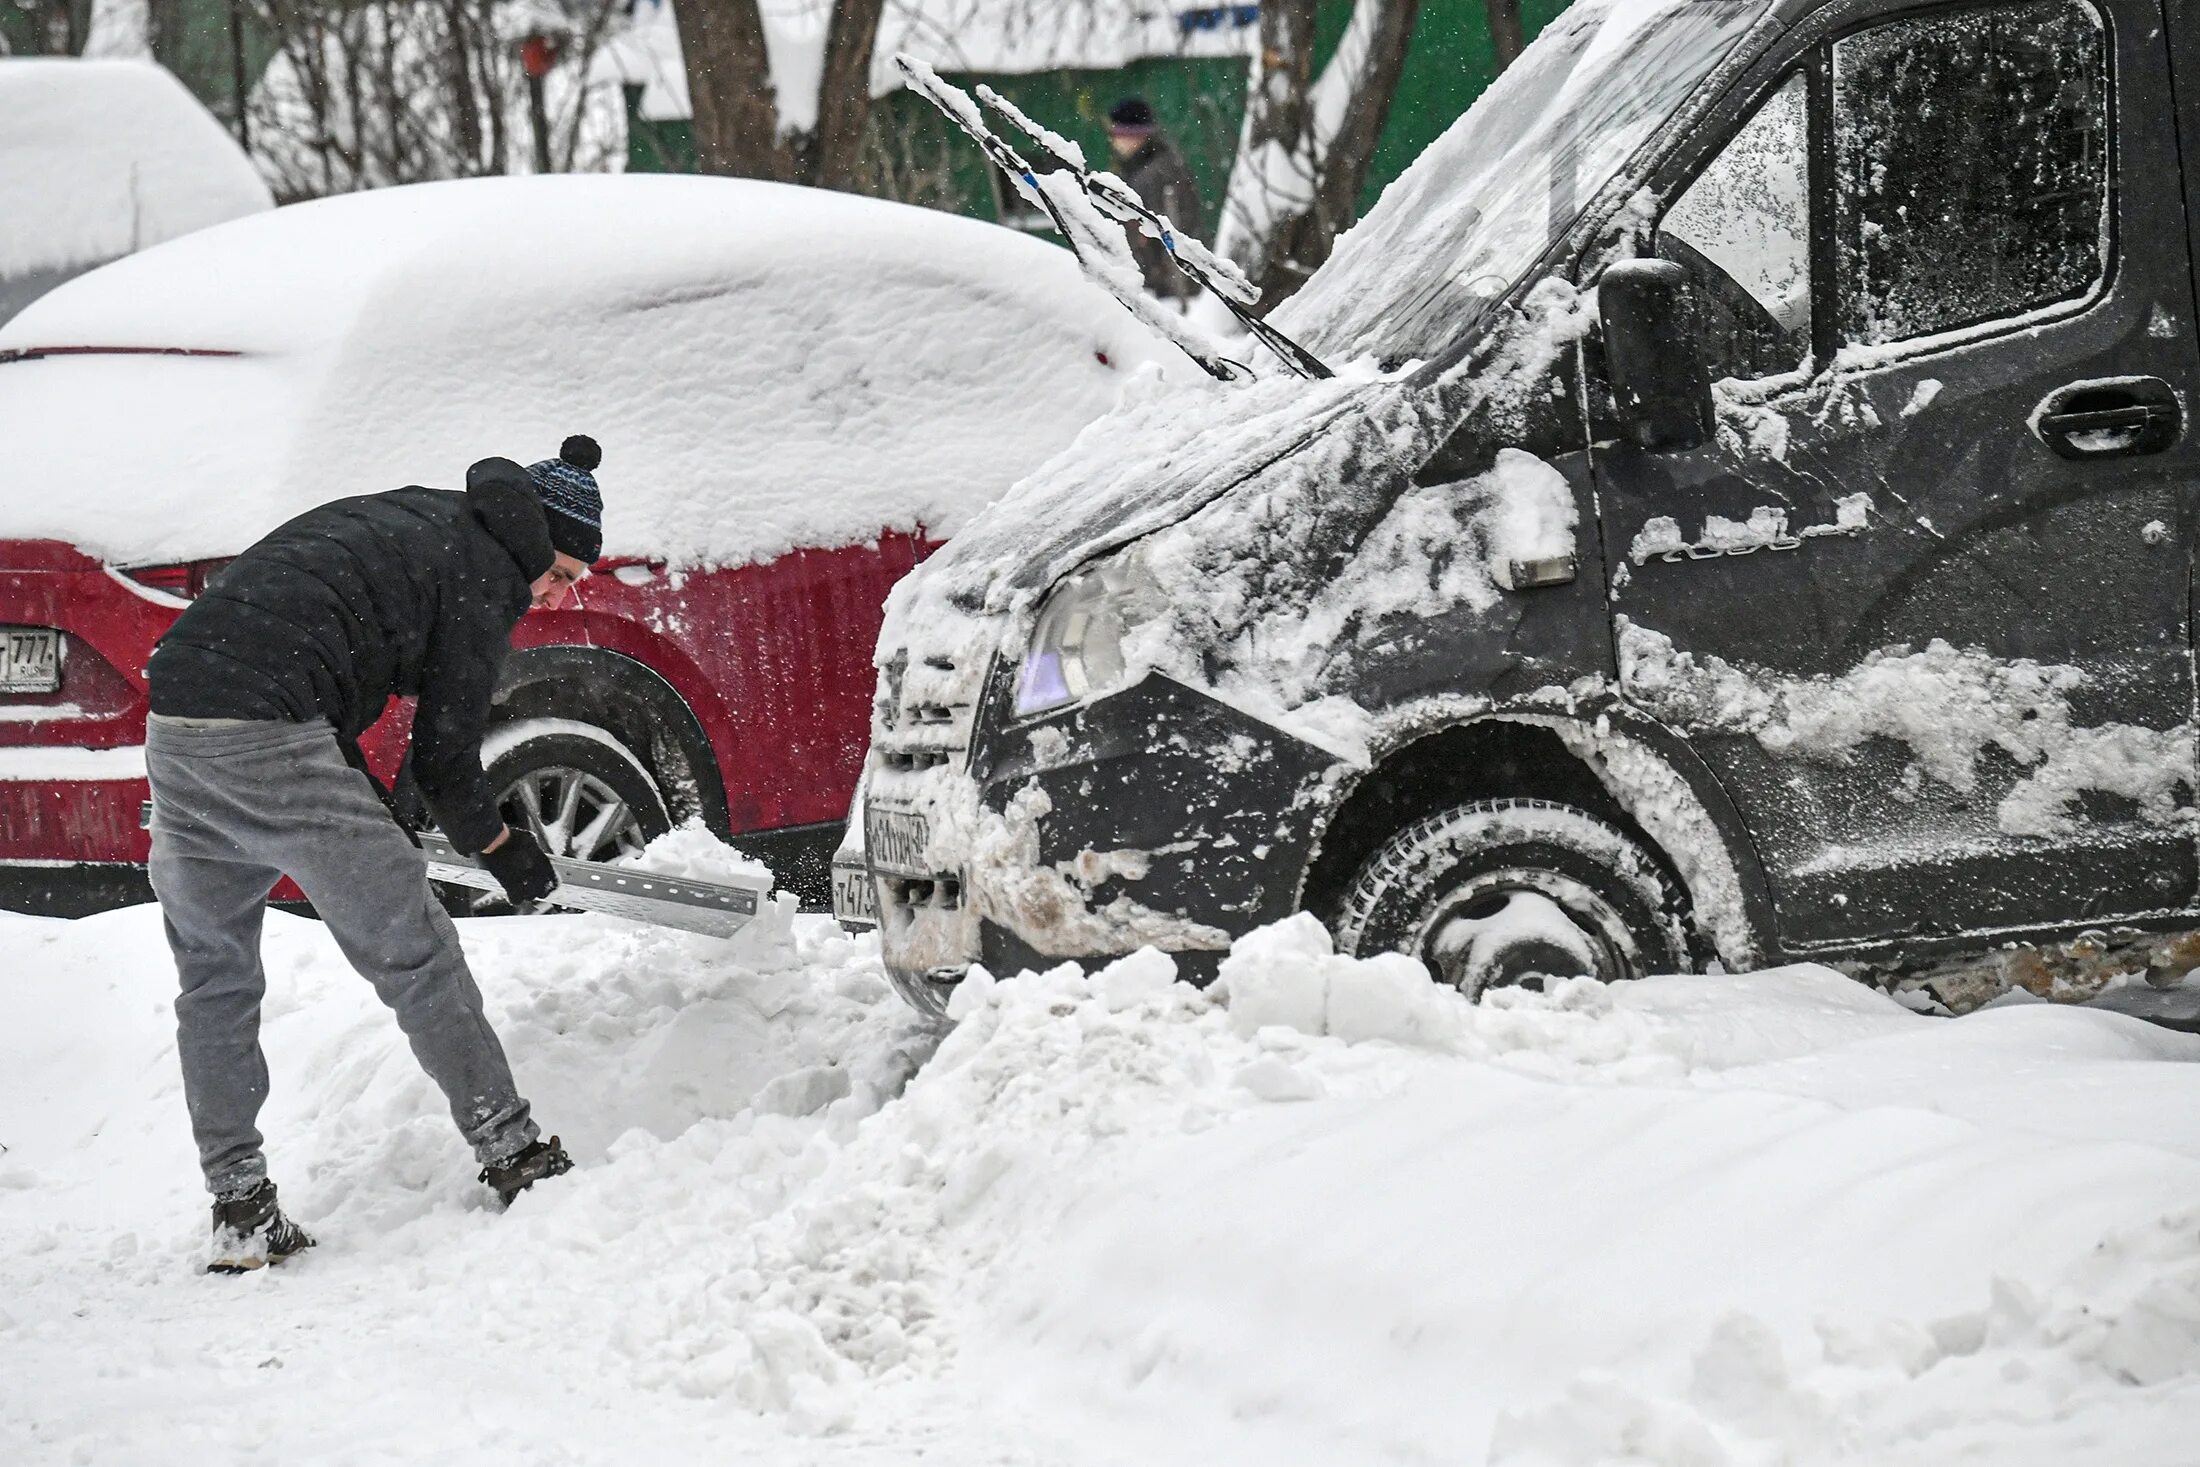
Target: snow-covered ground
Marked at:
1326, 1214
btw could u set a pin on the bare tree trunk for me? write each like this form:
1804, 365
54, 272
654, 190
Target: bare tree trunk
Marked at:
465, 116
1351, 147
1307, 141
391, 101
739, 112
487, 60
350, 28
313, 56
1506, 35
58, 34
120, 30
844, 94
587, 44
1277, 114
736, 116
238, 79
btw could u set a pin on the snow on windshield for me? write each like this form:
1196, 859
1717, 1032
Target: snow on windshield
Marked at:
1459, 228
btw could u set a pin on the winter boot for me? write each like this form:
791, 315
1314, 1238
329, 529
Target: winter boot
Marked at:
533, 1162
250, 1232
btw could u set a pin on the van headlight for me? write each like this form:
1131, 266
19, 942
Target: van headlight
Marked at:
1076, 649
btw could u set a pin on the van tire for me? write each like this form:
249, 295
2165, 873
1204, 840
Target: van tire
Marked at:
1504, 892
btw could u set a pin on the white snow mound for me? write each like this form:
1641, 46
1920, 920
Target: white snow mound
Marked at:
692, 853
1743, 1220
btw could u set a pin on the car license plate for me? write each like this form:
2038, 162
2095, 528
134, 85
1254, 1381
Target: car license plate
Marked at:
30, 660
855, 895
895, 840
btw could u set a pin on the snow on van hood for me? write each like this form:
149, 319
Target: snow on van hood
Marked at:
1167, 451
767, 367
1278, 525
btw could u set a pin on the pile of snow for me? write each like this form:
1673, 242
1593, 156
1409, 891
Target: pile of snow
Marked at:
767, 367
99, 158
1318, 1215
691, 852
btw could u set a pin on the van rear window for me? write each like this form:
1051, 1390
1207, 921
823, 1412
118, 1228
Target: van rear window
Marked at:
1971, 151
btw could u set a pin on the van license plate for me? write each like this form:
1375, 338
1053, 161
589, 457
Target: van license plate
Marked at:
30, 660
895, 841
855, 896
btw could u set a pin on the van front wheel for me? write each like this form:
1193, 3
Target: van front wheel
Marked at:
1514, 891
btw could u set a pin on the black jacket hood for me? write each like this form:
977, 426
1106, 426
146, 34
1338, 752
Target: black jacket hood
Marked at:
503, 499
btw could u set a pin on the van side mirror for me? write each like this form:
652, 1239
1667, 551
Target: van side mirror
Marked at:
1657, 377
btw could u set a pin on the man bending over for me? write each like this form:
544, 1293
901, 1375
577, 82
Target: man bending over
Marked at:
259, 693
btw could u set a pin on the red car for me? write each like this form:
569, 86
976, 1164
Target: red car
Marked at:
798, 393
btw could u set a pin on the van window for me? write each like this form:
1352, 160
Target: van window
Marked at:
1742, 231
1971, 167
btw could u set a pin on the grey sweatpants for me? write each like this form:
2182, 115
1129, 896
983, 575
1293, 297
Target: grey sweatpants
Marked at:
236, 806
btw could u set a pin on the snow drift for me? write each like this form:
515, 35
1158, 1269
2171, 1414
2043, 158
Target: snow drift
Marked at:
1320, 1214
767, 367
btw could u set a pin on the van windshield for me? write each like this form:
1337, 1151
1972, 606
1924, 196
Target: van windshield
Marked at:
1458, 229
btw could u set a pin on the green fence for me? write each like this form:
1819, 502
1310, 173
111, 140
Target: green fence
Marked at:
1200, 101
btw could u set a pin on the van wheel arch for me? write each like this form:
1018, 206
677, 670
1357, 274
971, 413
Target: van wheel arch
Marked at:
635, 705
1523, 757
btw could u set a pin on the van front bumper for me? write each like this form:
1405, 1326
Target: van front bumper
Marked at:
1155, 817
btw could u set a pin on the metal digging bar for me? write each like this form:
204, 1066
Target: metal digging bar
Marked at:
717, 908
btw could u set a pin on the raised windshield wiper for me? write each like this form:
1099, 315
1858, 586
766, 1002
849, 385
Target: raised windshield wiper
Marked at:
1090, 210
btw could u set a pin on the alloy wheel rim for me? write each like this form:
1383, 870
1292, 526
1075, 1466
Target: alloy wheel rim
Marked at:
575, 814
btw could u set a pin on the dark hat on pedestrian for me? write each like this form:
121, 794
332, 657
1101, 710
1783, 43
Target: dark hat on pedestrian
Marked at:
1132, 114
571, 502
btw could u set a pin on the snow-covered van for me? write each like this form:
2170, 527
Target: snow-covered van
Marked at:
1751, 519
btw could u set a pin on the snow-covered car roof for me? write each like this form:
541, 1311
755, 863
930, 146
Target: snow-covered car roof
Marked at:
98, 158
767, 367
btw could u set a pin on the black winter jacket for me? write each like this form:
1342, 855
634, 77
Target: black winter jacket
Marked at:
411, 592
1163, 181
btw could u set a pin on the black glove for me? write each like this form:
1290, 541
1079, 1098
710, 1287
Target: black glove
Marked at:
521, 869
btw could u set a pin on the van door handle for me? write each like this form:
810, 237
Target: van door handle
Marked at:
2117, 419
